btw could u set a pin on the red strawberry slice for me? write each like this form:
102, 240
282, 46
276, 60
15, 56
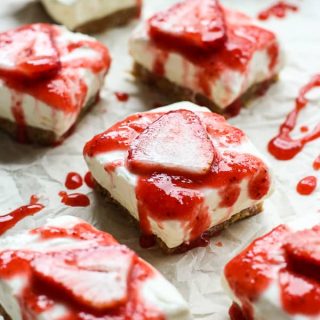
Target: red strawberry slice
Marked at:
195, 23
303, 251
177, 142
96, 278
29, 51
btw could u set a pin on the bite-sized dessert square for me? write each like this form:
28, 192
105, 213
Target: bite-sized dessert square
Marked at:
200, 51
181, 171
94, 15
67, 269
278, 275
49, 77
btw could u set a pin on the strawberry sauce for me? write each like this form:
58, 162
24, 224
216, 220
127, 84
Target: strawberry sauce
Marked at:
11, 219
74, 199
88, 179
291, 259
164, 196
73, 181
316, 163
62, 278
278, 10
283, 147
307, 185
122, 96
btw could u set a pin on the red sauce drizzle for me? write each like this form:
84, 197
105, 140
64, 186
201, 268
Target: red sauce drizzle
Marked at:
291, 259
11, 219
283, 147
304, 129
122, 96
165, 197
307, 185
278, 10
19, 117
73, 181
316, 163
235, 313
41, 295
88, 179
160, 63
74, 199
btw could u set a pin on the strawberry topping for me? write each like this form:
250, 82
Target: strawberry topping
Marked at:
176, 142
198, 24
29, 52
95, 278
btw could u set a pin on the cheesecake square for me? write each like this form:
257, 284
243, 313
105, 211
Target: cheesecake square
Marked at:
49, 77
92, 16
182, 172
67, 269
205, 53
277, 275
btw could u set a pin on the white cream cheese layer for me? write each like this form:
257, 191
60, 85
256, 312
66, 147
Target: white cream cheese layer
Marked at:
156, 291
268, 306
121, 184
224, 90
74, 13
38, 114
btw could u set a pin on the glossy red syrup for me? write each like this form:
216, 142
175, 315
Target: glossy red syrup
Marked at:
290, 259
235, 313
307, 185
283, 147
278, 10
88, 179
122, 96
17, 111
243, 40
316, 163
9, 220
73, 181
304, 129
74, 199
162, 196
38, 71
42, 293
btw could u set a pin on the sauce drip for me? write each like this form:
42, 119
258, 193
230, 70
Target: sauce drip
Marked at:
88, 179
122, 96
73, 181
278, 10
74, 199
307, 185
11, 219
283, 147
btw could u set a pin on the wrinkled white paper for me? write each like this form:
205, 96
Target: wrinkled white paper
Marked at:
27, 170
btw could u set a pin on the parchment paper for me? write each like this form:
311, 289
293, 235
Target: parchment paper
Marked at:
27, 170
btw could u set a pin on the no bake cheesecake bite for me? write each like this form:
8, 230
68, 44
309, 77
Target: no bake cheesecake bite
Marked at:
94, 15
69, 270
277, 275
49, 77
199, 51
181, 171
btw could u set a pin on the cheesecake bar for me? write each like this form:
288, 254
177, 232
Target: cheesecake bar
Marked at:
67, 269
200, 51
181, 171
277, 275
94, 15
49, 77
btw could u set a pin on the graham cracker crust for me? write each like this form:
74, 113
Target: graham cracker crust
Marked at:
39, 136
4, 314
179, 93
244, 214
116, 19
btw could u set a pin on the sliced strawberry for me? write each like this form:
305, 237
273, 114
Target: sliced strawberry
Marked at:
177, 142
191, 23
96, 278
29, 51
303, 251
